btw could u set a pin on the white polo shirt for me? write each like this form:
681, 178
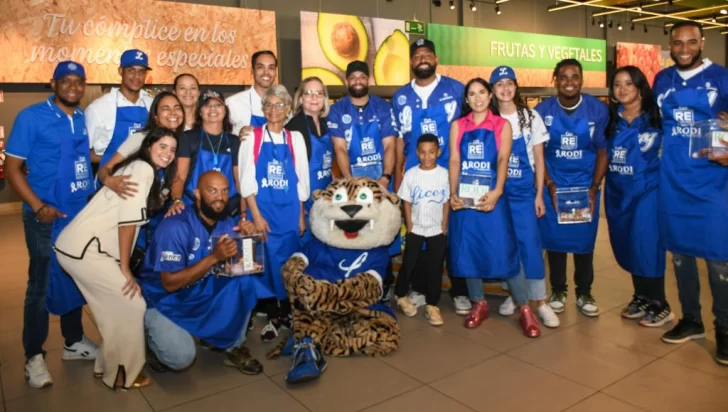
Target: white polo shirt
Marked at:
242, 105
101, 116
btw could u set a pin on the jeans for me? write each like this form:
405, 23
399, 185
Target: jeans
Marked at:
688, 284
536, 287
35, 315
517, 285
174, 346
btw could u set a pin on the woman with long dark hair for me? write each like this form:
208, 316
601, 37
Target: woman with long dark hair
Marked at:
187, 88
95, 249
165, 111
482, 242
634, 139
524, 189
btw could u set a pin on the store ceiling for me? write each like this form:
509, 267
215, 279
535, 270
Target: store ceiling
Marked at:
713, 14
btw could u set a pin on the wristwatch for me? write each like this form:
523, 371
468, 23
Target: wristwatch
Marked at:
388, 176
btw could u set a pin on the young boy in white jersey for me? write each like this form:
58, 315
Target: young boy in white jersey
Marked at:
425, 192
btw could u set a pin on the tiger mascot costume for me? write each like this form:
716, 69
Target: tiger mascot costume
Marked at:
335, 284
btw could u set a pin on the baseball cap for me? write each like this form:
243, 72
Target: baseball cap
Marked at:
357, 66
209, 95
421, 43
67, 68
502, 72
134, 57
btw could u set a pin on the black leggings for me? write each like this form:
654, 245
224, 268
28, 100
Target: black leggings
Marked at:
583, 272
430, 273
650, 288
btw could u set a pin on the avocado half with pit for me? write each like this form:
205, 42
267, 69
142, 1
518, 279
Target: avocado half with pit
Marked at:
391, 64
343, 39
328, 77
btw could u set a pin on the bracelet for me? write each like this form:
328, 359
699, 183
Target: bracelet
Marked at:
175, 200
40, 209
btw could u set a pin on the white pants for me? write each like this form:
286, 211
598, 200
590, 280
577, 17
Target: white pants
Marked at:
120, 320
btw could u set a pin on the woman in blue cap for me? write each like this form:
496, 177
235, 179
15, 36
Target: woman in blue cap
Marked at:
634, 137
524, 189
482, 242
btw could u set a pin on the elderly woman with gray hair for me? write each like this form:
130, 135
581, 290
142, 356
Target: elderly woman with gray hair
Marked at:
274, 181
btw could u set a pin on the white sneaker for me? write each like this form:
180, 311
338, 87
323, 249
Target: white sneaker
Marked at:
417, 299
507, 307
36, 372
84, 349
462, 305
548, 317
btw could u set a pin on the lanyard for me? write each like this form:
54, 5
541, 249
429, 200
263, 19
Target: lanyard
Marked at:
214, 151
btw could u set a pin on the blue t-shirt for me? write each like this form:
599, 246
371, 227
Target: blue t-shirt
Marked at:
590, 108
179, 242
36, 138
446, 99
343, 114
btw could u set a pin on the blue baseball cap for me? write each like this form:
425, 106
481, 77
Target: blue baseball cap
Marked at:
502, 72
68, 68
134, 57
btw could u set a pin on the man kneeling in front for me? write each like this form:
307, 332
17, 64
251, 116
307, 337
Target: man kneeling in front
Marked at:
185, 298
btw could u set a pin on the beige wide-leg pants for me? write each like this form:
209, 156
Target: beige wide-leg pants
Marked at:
120, 320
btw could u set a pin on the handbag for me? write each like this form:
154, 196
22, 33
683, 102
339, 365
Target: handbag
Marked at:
138, 254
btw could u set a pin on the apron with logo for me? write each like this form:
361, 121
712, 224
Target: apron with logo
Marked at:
322, 159
570, 157
631, 197
69, 193
129, 120
693, 192
278, 202
521, 192
482, 244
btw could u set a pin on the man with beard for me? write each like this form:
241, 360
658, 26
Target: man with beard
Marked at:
246, 107
428, 104
694, 191
184, 296
363, 130
115, 116
51, 139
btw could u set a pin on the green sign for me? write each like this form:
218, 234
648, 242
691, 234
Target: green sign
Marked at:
471, 46
414, 27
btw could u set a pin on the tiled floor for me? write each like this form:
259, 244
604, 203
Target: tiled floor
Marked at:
604, 364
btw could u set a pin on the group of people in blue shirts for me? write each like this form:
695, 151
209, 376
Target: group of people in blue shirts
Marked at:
505, 183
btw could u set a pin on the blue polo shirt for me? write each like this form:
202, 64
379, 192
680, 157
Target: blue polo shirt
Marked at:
343, 114
36, 138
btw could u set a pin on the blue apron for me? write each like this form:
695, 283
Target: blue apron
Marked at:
69, 193
482, 244
255, 121
210, 160
521, 192
214, 309
322, 159
129, 120
631, 198
433, 120
278, 202
570, 157
693, 192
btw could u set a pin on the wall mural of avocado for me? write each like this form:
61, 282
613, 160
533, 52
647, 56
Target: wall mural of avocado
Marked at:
329, 42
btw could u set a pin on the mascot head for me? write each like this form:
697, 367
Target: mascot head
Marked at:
355, 213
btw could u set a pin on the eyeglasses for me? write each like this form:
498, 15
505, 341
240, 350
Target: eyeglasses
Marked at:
277, 106
310, 92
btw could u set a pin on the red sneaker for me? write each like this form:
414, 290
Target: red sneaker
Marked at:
528, 322
477, 315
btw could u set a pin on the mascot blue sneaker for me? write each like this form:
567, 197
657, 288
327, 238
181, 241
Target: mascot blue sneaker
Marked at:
335, 283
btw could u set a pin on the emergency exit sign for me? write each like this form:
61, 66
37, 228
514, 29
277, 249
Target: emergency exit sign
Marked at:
414, 27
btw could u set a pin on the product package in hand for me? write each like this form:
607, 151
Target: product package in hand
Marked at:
248, 260
472, 187
573, 203
708, 137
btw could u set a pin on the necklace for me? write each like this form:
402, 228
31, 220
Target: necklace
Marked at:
572, 107
214, 151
